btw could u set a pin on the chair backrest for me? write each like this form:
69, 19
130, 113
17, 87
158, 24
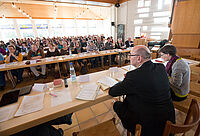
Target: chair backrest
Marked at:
138, 129
192, 119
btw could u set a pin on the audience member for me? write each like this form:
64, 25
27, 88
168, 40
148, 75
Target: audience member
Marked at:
178, 72
2, 76
148, 101
129, 43
35, 54
12, 56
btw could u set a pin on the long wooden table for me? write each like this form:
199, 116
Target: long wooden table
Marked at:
48, 113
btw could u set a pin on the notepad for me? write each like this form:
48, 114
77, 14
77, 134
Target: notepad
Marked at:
108, 81
88, 92
7, 112
30, 104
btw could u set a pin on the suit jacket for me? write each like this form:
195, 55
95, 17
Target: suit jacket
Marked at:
129, 44
148, 100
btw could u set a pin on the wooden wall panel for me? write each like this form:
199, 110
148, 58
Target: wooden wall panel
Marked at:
191, 41
186, 24
186, 17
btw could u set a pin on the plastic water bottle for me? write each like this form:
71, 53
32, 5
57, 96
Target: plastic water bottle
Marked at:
72, 73
70, 52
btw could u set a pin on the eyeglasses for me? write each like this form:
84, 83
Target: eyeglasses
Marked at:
162, 55
133, 55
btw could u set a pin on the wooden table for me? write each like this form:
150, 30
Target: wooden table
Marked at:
48, 113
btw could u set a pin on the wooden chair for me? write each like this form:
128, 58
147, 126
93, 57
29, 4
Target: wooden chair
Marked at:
189, 123
106, 128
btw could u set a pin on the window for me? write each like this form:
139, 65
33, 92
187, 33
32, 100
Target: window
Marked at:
138, 21
142, 10
155, 37
164, 13
82, 27
25, 28
69, 27
7, 29
137, 31
161, 20
144, 28
143, 15
42, 27
160, 29
147, 3
140, 3
56, 27
155, 33
160, 4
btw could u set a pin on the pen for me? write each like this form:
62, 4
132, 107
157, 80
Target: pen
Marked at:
52, 94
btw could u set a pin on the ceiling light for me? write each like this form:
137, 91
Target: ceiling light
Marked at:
24, 13
13, 5
19, 10
3, 17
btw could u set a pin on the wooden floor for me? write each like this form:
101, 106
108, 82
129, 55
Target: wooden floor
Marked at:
90, 116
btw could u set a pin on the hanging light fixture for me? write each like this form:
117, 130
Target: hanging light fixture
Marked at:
19, 10
3, 17
13, 5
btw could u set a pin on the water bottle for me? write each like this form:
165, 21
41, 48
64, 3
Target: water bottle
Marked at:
70, 52
72, 73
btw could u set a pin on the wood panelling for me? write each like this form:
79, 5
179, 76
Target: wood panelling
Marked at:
191, 41
38, 11
188, 52
186, 24
186, 17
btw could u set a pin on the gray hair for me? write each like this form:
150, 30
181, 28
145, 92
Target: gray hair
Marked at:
144, 53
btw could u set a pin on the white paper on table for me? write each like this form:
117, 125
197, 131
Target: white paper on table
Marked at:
129, 68
113, 69
30, 104
39, 87
8, 112
107, 51
84, 78
93, 53
49, 59
32, 61
61, 97
88, 92
108, 81
2, 65
67, 57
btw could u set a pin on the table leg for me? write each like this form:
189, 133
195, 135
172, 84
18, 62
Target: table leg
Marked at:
109, 57
120, 59
10, 76
59, 69
102, 62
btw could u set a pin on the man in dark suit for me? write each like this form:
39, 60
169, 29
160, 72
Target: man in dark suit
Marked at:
148, 101
129, 43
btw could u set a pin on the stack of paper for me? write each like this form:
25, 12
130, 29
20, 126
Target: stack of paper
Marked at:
30, 104
88, 92
107, 81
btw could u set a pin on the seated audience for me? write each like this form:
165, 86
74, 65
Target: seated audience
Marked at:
119, 44
93, 48
148, 101
129, 43
14, 55
2, 50
178, 72
109, 46
65, 49
25, 48
84, 45
34, 54
2, 76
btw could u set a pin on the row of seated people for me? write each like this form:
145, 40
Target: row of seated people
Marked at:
24, 45
75, 47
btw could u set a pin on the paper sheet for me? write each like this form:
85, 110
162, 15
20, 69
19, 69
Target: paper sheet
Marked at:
88, 92
39, 87
62, 97
7, 112
120, 78
108, 81
129, 68
84, 78
30, 104
32, 61
2, 66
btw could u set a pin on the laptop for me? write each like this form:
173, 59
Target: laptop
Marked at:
12, 95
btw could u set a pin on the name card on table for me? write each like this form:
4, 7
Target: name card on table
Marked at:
39, 87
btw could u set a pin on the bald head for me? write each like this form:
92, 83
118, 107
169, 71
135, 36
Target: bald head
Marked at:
142, 51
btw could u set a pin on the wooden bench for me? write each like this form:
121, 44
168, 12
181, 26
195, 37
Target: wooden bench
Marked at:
195, 89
